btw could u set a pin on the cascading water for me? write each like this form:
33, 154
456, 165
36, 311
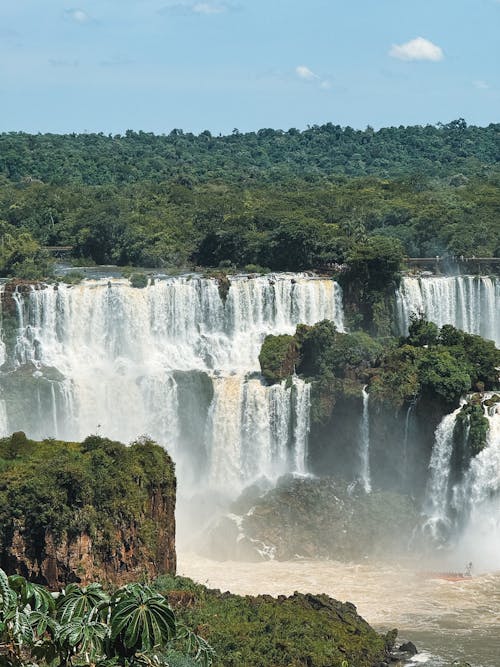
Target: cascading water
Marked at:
436, 498
364, 450
477, 498
470, 303
174, 360
406, 441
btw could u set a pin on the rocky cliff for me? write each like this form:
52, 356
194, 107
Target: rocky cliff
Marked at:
84, 512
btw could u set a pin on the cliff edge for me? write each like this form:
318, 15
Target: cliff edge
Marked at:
81, 512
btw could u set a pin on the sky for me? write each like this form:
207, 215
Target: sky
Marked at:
154, 65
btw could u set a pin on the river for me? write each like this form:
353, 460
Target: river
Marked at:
445, 620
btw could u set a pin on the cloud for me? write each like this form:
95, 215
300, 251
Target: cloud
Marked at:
116, 61
77, 15
417, 49
304, 72
207, 8
63, 62
481, 85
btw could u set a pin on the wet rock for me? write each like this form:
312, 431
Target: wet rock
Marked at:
409, 648
317, 518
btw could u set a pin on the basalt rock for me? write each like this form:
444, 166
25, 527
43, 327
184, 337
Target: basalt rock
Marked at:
315, 518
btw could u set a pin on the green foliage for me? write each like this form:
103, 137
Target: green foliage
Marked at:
141, 620
21, 255
455, 150
439, 364
472, 415
278, 356
421, 332
375, 263
442, 374
138, 280
135, 625
69, 488
290, 201
263, 631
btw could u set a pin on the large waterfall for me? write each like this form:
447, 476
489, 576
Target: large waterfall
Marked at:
177, 360
471, 303
436, 502
477, 498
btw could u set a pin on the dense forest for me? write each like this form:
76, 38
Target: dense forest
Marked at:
279, 200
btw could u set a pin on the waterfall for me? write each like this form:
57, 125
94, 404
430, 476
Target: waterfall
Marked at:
477, 498
174, 360
470, 303
436, 499
364, 450
406, 440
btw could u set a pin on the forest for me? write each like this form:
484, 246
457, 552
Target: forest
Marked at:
266, 200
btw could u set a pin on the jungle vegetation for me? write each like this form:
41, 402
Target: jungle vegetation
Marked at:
272, 199
437, 365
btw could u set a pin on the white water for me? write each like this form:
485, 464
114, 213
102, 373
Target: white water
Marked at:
470, 303
173, 361
478, 498
436, 501
364, 452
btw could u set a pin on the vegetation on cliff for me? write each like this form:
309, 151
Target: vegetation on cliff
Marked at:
80, 511
433, 364
293, 631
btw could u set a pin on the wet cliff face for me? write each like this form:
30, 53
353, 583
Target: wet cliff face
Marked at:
400, 443
61, 522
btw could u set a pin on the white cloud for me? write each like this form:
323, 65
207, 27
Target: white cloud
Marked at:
417, 49
304, 72
77, 15
482, 85
207, 8
63, 62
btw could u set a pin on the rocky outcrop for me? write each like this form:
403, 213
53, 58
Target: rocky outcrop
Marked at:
314, 518
112, 539
300, 629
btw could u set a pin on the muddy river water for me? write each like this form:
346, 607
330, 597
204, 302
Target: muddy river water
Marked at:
446, 620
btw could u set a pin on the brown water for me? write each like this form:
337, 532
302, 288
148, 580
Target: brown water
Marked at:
446, 620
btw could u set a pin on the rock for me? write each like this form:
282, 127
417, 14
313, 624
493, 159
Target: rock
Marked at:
317, 518
409, 648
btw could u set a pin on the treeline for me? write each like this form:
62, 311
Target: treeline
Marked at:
268, 155
282, 227
184, 201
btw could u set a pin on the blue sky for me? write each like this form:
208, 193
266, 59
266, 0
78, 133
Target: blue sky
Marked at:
110, 65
